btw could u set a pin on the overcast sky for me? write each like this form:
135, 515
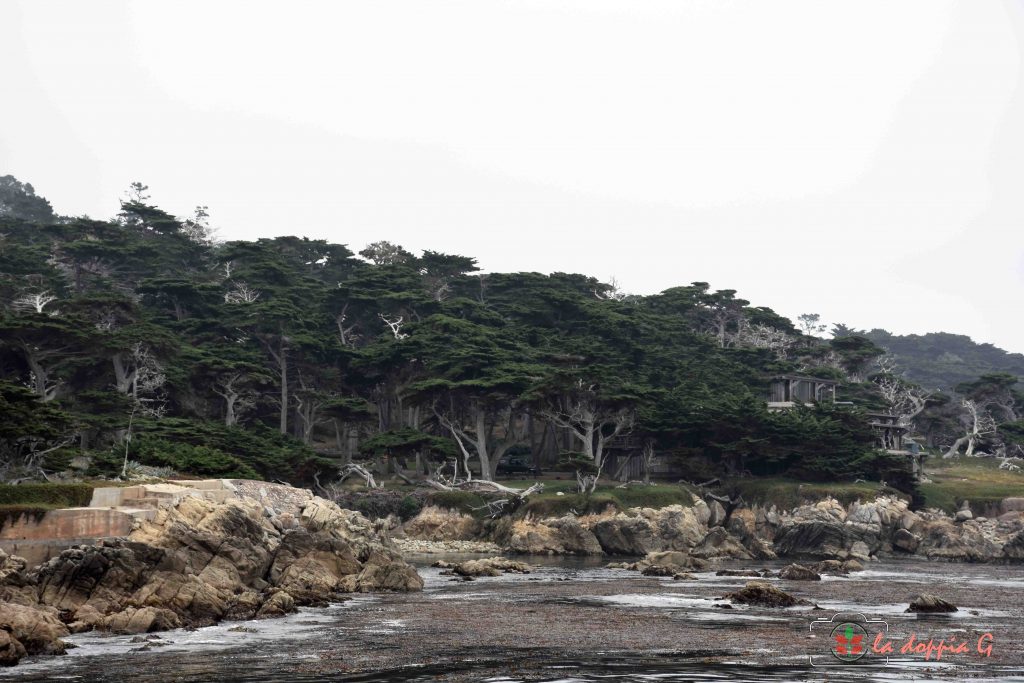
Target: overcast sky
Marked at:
862, 160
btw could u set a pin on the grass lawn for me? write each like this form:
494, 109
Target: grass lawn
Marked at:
789, 493
978, 480
549, 503
47, 495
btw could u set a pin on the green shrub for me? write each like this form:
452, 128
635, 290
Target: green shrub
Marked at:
265, 452
409, 507
183, 457
380, 503
549, 505
50, 495
462, 501
657, 496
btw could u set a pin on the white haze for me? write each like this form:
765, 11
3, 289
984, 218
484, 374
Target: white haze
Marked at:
862, 160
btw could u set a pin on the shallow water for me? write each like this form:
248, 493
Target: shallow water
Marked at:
573, 620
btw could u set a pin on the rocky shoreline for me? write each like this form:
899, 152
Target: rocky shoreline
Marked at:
196, 563
270, 548
824, 530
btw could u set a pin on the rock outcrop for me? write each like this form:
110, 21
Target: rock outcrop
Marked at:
198, 562
556, 536
491, 566
29, 630
639, 531
439, 524
821, 531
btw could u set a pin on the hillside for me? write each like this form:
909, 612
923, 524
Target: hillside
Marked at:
940, 360
140, 342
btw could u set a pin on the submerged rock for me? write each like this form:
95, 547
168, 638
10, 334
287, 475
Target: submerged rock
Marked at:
763, 594
660, 570
621, 565
852, 566
926, 603
410, 545
680, 561
738, 572
492, 566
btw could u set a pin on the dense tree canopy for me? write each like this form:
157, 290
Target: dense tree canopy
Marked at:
284, 357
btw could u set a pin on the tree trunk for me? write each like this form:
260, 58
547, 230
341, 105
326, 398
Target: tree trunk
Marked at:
230, 420
122, 377
40, 378
284, 387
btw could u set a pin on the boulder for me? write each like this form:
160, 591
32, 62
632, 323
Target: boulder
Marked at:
966, 541
739, 572
684, 576
859, 551
561, 536
626, 535
798, 572
701, 511
621, 565
926, 603
277, 605
673, 558
439, 524
29, 630
660, 570
643, 530
1013, 549
813, 539
718, 543
140, 620
763, 594
743, 526
492, 566
852, 566
905, 541
1014, 504
833, 567
15, 584
963, 515
381, 574
717, 514
11, 649
908, 520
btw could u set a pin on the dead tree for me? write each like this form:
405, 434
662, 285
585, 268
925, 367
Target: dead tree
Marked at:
358, 470
513, 500
979, 424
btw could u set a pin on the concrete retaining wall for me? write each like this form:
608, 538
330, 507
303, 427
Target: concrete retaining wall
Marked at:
39, 538
111, 513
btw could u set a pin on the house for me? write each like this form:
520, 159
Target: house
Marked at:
888, 429
787, 391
